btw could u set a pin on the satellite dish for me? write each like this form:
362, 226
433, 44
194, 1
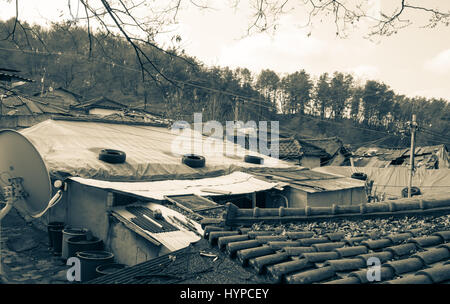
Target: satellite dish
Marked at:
24, 178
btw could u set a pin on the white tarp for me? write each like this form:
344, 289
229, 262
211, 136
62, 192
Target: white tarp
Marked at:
392, 180
71, 148
234, 183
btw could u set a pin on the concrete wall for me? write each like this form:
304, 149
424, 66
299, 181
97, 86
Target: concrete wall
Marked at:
86, 207
130, 248
300, 199
21, 121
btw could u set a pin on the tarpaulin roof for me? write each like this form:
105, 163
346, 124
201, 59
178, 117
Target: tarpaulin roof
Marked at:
312, 181
393, 180
71, 148
234, 183
426, 156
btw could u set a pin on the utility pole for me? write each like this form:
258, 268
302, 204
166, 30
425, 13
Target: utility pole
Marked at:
214, 97
236, 111
413, 127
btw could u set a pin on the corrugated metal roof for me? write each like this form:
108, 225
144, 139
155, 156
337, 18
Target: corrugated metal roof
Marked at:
174, 234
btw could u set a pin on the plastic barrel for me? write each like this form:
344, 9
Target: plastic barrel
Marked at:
53, 225
68, 233
56, 236
109, 268
81, 243
90, 260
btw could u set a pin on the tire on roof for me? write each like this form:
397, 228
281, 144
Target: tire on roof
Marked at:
414, 191
359, 175
112, 156
193, 160
253, 159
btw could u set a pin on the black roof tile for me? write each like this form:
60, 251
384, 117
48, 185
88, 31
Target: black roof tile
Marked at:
384, 256
412, 279
224, 240
445, 235
437, 274
246, 254
277, 245
336, 236
311, 241
315, 257
270, 238
426, 241
400, 237
403, 249
311, 276
321, 247
347, 280
346, 264
351, 251
294, 235
298, 250
377, 244
260, 263
278, 271
405, 265
214, 235
234, 247
433, 255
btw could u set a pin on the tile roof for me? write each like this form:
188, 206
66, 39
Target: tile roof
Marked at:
412, 258
423, 205
30, 105
289, 148
411, 249
330, 145
407, 256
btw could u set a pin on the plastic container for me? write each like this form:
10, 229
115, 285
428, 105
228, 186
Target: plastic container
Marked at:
54, 226
68, 233
109, 268
90, 260
81, 243
56, 237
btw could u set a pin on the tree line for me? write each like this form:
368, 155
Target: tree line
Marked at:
100, 64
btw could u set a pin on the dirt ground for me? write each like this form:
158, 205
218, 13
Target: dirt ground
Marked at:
25, 257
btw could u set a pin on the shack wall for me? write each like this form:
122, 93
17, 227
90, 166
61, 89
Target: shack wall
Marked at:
299, 198
84, 206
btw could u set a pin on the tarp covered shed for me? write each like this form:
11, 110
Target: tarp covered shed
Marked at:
429, 157
114, 201
393, 180
311, 188
71, 148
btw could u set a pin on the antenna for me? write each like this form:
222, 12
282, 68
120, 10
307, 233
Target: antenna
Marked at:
24, 179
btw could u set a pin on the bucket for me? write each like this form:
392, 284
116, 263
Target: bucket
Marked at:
54, 225
90, 260
81, 243
56, 237
109, 268
68, 233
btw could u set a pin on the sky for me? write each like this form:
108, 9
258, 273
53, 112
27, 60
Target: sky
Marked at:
416, 61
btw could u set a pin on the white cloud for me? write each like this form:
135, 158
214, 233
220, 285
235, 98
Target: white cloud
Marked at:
289, 50
365, 72
440, 63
